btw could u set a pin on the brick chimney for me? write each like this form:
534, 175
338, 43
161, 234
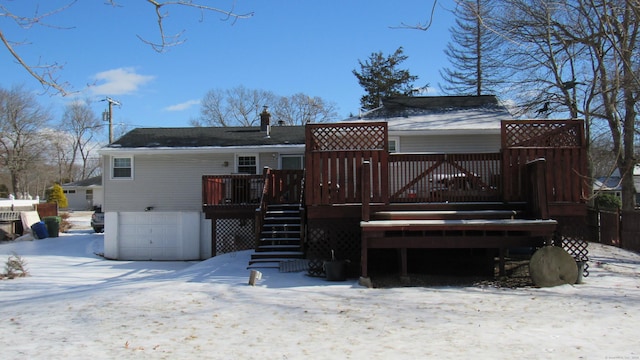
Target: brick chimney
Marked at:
265, 119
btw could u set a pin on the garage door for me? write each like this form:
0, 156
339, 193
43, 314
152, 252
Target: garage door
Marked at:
149, 236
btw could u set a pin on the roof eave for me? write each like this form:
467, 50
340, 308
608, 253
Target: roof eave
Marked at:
200, 149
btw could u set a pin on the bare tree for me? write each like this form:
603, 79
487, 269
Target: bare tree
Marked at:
82, 125
233, 107
580, 58
241, 107
300, 109
21, 120
47, 74
58, 151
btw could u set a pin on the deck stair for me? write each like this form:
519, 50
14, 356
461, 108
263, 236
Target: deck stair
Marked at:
281, 237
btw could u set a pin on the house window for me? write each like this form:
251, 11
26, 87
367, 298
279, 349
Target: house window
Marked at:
69, 191
89, 195
247, 164
122, 168
292, 162
394, 144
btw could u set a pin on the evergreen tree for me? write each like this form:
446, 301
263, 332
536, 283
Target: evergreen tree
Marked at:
380, 78
472, 51
57, 196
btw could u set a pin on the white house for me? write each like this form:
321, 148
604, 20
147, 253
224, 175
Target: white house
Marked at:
152, 177
153, 184
84, 194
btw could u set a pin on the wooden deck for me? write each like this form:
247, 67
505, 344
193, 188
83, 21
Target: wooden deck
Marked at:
356, 196
472, 228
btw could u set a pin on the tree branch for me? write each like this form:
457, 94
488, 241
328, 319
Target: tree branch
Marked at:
47, 79
174, 40
52, 83
420, 26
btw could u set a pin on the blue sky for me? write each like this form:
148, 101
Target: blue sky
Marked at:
287, 47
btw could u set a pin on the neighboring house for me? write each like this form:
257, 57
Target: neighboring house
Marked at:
613, 184
84, 194
152, 182
441, 124
609, 185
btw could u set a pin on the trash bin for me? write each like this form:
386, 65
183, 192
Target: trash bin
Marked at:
53, 225
40, 230
335, 270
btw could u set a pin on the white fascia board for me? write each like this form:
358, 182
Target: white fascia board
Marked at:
297, 148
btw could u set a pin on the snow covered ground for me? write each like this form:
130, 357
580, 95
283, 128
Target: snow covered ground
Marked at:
76, 305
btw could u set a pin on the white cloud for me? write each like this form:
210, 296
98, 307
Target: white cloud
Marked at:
183, 105
119, 81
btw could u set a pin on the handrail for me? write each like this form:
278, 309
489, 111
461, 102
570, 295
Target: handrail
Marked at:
261, 210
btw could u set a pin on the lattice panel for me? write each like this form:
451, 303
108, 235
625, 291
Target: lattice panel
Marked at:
543, 134
348, 137
343, 237
574, 235
234, 235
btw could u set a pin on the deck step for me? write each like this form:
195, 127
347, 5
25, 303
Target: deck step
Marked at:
292, 219
282, 212
266, 234
280, 238
273, 248
285, 225
444, 214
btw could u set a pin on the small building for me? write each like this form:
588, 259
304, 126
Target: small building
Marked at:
84, 194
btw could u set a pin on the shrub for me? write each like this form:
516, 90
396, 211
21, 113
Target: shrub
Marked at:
608, 202
16, 266
57, 196
65, 225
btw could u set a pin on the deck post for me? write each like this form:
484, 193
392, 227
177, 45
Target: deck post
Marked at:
366, 190
366, 193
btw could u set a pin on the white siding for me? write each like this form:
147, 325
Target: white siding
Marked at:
77, 199
480, 143
164, 182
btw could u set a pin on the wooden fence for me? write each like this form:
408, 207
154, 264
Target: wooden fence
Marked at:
616, 228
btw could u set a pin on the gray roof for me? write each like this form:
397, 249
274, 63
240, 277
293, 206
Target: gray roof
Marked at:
93, 181
191, 137
435, 113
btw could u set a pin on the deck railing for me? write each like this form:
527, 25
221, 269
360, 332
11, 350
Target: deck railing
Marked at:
444, 177
408, 178
231, 190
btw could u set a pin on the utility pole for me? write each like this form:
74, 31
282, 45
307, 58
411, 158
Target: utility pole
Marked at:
109, 116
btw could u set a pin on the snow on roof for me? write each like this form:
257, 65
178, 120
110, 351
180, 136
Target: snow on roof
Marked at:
439, 113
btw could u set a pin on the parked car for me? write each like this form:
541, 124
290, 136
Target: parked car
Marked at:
97, 220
